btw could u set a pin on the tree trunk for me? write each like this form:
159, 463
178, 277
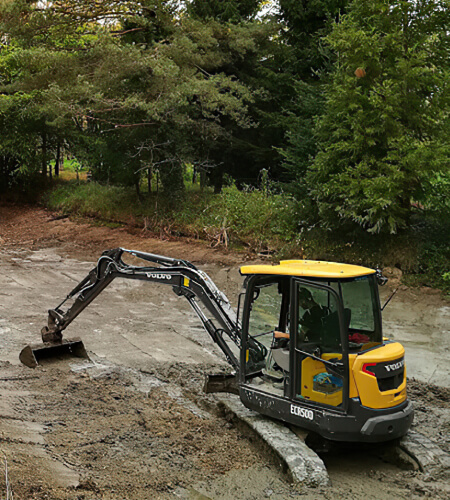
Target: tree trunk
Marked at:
44, 154
172, 181
202, 178
218, 179
137, 179
58, 159
149, 179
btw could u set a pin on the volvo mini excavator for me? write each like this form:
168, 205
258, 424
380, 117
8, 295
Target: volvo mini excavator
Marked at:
306, 344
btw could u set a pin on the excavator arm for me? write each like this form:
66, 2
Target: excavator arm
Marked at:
186, 280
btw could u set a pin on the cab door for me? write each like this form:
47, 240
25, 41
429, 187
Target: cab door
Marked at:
265, 330
319, 359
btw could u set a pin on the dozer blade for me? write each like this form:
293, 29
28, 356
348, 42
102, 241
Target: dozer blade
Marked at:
32, 354
221, 383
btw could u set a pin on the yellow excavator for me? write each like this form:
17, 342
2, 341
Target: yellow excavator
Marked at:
306, 342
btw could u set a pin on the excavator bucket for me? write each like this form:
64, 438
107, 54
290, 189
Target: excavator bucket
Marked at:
32, 354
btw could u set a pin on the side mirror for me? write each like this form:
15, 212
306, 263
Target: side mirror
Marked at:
381, 280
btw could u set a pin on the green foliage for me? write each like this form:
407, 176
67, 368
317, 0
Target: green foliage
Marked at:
112, 101
432, 261
381, 135
91, 199
435, 194
310, 61
307, 24
252, 218
141, 89
223, 10
260, 220
302, 146
433, 249
446, 281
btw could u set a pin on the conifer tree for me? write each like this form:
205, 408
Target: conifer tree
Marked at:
384, 130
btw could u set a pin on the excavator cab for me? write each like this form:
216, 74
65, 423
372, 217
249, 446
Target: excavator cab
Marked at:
327, 367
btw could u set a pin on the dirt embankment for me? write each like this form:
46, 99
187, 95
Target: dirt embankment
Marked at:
34, 228
134, 422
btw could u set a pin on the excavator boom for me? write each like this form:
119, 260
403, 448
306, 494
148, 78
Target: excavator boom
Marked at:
186, 280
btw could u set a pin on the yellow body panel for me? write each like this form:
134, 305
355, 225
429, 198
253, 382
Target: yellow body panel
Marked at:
361, 384
311, 368
369, 392
309, 268
352, 389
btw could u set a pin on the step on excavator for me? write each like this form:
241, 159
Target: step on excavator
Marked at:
306, 343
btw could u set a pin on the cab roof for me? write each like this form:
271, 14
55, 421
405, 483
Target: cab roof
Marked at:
309, 268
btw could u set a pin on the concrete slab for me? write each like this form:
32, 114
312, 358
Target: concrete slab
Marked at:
420, 322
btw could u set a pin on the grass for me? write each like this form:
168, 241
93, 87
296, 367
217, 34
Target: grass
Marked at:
262, 222
241, 218
71, 170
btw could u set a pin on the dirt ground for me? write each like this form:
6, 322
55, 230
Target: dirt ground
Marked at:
133, 422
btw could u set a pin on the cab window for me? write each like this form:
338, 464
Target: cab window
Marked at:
359, 298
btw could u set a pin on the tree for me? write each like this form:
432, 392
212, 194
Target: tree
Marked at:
120, 77
310, 62
381, 135
256, 55
224, 10
307, 22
